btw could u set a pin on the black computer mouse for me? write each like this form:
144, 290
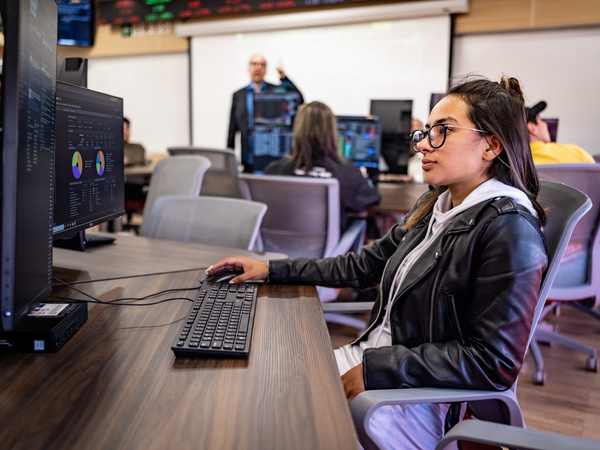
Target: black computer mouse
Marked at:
223, 276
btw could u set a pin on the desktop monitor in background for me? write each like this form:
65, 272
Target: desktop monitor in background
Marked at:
72, 70
552, 128
395, 117
76, 22
359, 141
89, 169
271, 136
434, 100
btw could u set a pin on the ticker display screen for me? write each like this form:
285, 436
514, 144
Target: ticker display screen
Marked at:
134, 11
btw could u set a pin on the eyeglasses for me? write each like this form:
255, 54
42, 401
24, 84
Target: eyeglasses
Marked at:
436, 135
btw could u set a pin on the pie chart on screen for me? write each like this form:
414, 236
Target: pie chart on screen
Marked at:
77, 164
100, 163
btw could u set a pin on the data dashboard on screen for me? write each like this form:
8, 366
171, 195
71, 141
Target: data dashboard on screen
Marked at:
89, 187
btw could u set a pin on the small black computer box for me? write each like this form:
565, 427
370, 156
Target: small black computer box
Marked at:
45, 333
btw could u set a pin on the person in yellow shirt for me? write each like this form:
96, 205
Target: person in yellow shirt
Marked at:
546, 152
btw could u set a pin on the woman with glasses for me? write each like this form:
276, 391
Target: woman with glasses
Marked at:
459, 277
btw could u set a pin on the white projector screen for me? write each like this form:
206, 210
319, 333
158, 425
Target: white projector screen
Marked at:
343, 66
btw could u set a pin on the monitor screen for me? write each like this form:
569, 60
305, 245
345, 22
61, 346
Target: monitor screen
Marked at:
271, 136
359, 140
434, 100
394, 115
552, 128
76, 22
89, 181
27, 152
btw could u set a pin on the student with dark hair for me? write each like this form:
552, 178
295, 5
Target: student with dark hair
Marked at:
459, 277
315, 154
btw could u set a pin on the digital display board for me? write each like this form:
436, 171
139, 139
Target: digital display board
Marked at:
135, 11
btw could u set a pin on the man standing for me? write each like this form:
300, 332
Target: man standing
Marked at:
242, 106
543, 150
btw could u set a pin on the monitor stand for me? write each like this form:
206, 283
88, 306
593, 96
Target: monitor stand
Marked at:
46, 330
79, 241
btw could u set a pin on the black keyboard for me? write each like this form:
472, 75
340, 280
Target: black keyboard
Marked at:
219, 322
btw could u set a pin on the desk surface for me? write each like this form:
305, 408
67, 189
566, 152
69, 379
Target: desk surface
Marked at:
131, 256
399, 198
117, 385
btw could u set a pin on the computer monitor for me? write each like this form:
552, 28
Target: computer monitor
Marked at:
434, 100
395, 117
89, 181
359, 140
76, 22
552, 127
271, 135
27, 152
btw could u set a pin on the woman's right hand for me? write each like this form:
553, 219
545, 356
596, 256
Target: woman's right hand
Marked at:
253, 270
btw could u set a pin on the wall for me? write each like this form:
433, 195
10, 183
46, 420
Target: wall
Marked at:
559, 66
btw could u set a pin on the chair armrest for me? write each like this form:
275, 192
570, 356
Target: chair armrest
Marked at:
364, 404
347, 307
513, 437
352, 239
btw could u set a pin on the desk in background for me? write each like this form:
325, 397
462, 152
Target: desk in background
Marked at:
397, 199
117, 385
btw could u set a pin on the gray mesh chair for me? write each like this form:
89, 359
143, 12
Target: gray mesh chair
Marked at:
566, 206
578, 277
174, 176
227, 222
222, 179
303, 220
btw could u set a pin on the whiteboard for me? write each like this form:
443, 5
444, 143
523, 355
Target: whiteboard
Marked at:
344, 66
559, 66
155, 90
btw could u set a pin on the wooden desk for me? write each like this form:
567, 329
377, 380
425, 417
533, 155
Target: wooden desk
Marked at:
133, 256
117, 385
397, 199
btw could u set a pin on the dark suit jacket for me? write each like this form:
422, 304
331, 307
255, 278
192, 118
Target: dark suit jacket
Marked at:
238, 119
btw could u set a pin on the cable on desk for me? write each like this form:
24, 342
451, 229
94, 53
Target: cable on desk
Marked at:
126, 300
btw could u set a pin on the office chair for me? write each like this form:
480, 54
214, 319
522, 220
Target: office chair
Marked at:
226, 222
303, 220
566, 206
222, 178
578, 276
490, 433
174, 176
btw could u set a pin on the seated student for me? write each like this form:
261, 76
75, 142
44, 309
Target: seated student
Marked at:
546, 152
135, 154
315, 154
459, 277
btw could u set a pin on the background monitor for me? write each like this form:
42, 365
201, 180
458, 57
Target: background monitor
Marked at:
76, 22
359, 140
271, 136
27, 148
434, 100
72, 70
552, 127
395, 117
89, 181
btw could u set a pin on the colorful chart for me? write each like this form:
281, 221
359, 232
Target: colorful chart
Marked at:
100, 164
77, 163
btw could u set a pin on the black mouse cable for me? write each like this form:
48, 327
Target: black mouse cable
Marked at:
126, 301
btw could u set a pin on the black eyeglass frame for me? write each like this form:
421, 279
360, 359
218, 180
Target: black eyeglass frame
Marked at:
444, 126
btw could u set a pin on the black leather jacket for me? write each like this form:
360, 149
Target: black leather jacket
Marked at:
463, 316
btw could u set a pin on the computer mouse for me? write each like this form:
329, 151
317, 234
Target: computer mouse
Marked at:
223, 276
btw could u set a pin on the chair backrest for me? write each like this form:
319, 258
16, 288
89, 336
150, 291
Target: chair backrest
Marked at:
565, 206
222, 178
226, 222
175, 176
303, 214
578, 276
